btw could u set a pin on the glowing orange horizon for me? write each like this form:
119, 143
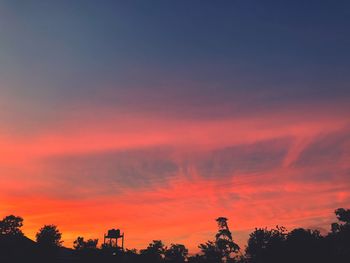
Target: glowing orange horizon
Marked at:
180, 208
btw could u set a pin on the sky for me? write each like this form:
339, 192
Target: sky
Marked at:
156, 117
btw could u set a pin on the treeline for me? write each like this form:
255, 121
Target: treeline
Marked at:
264, 245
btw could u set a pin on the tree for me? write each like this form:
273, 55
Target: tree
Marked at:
80, 243
10, 226
154, 252
224, 240
343, 215
211, 253
196, 259
177, 253
304, 245
49, 236
339, 238
266, 245
223, 248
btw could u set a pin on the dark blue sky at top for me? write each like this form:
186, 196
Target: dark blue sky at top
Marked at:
188, 53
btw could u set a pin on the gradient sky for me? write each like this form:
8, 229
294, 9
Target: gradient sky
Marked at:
156, 117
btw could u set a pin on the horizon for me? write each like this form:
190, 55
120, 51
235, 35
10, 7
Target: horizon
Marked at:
16, 234
158, 118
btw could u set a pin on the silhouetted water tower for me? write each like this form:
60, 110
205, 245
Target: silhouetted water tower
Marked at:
111, 238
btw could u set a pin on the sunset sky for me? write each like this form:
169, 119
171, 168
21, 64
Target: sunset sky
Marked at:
156, 117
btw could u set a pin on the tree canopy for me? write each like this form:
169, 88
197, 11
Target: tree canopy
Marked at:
49, 236
10, 225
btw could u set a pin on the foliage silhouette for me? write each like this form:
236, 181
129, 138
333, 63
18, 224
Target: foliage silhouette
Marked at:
10, 225
176, 253
155, 252
49, 236
81, 244
339, 238
343, 215
266, 245
210, 252
263, 246
223, 249
224, 241
304, 245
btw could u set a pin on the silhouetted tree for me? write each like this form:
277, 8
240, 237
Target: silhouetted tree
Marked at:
176, 253
80, 243
131, 256
86, 251
49, 236
266, 245
223, 248
91, 243
10, 225
154, 252
196, 259
224, 240
211, 252
339, 238
304, 245
343, 215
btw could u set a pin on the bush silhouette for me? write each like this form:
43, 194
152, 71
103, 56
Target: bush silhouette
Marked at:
81, 244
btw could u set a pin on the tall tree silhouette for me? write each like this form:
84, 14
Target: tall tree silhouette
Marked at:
223, 248
224, 240
49, 236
